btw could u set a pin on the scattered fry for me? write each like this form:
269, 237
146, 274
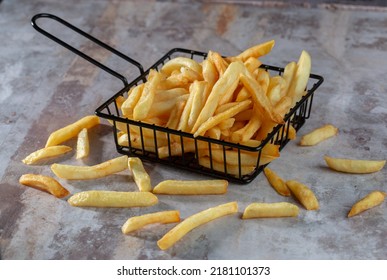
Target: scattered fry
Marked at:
141, 177
270, 210
318, 135
276, 182
371, 200
96, 198
304, 195
46, 152
73, 172
195, 187
356, 166
175, 234
44, 183
163, 217
83, 146
61, 135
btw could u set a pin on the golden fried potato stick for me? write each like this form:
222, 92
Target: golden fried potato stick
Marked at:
141, 177
245, 133
356, 166
276, 182
194, 221
138, 222
144, 104
303, 194
252, 64
256, 51
117, 199
210, 76
74, 172
198, 90
133, 97
371, 200
300, 78
191, 187
44, 183
215, 120
217, 60
270, 210
47, 152
83, 146
228, 82
61, 135
178, 62
318, 135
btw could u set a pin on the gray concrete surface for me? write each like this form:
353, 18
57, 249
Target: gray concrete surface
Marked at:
43, 87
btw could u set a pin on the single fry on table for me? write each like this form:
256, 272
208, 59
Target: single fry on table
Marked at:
75, 172
318, 135
371, 200
100, 198
45, 153
198, 219
138, 222
270, 210
44, 183
141, 177
83, 146
191, 187
303, 194
276, 182
356, 166
61, 135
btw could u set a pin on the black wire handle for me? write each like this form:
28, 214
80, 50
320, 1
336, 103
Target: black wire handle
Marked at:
81, 54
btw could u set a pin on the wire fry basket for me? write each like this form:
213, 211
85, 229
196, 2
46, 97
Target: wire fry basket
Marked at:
240, 163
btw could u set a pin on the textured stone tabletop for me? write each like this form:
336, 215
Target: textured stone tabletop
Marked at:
44, 87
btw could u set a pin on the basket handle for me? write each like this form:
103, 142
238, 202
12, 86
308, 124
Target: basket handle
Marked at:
78, 52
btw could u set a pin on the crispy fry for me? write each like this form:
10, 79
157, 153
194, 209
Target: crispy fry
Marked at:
195, 187
256, 51
303, 194
133, 97
356, 166
318, 135
44, 183
198, 219
73, 172
61, 135
270, 210
47, 152
178, 62
276, 182
163, 217
371, 200
83, 146
96, 198
141, 177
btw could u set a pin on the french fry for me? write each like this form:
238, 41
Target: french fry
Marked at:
318, 135
252, 64
355, 166
194, 221
228, 82
210, 76
178, 62
303, 194
292, 133
256, 51
133, 97
249, 129
117, 199
44, 183
371, 200
47, 152
61, 135
270, 210
215, 120
276, 182
198, 90
230, 169
141, 177
144, 104
73, 172
193, 187
138, 222
218, 61
83, 146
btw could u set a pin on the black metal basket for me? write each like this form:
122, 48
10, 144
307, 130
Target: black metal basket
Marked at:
153, 137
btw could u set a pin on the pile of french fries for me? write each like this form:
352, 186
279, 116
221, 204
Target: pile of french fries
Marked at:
229, 99
224, 98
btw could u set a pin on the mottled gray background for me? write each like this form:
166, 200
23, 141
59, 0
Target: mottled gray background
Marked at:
43, 87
